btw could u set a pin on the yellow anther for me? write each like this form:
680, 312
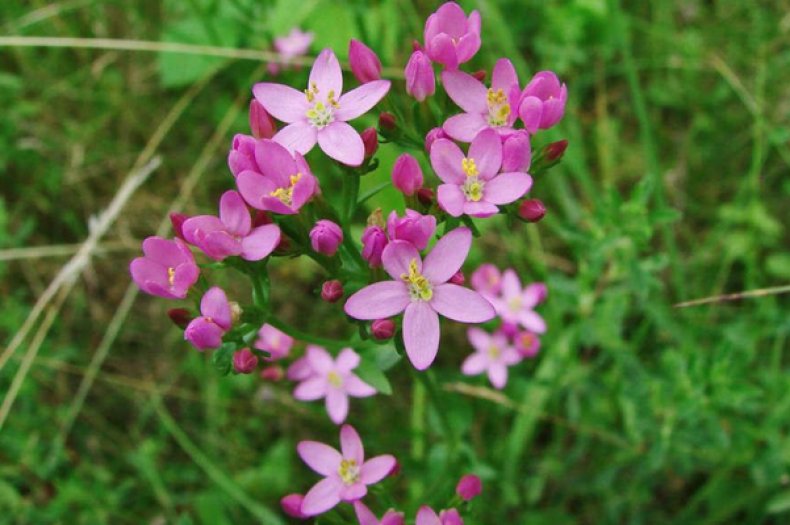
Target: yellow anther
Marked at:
469, 167
419, 286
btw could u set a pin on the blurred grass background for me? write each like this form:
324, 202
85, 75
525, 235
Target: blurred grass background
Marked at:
675, 186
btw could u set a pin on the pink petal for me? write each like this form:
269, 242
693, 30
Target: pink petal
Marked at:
319, 359
447, 256
297, 137
441, 49
464, 127
234, 213
320, 457
461, 304
480, 339
311, 389
532, 321
214, 304
276, 162
451, 199
364, 515
282, 102
347, 360
376, 469
355, 387
336, 405
323, 496
353, 492
378, 301
351, 444
359, 101
486, 150
260, 242
476, 363
507, 187
446, 160
421, 334
396, 258
326, 74
425, 516
504, 75
342, 143
469, 93
497, 374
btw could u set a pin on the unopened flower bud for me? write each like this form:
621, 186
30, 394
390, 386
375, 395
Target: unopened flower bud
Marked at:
273, 373
420, 78
555, 150
433, 136
425, 196
365, 65
480, 75
325, 237
531, 210
370, 140
244, 361
469, 487
382, 329
407, 174
177, 220
261, 123
292, 505
387, 122
180, 316
332, 291
458, 278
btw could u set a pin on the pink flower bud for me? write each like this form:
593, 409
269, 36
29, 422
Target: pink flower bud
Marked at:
527, 344
272, 373
292, 505
555, 150
433, 136
332, 291
382, 329
413, 227
325, 237
180, 317
531, 210
177, 220
370, 140
420, 78
469, 487
373, 242
458, 278
244, 361
365, 65
261, 123
407, 174
480, 75
516, 152
387, 121
425, 196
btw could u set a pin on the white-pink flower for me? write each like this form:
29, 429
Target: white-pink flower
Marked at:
493, 355
346, 473
319, 114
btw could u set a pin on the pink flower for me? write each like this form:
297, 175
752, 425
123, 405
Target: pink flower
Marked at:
320, 113
516, 152
493, 354
244, 361
427, 516
242, 154
469, 487
346, 474
487, 280
272, 340
414, 227
283, 184
472, 183
450, 37
365, 65
527, 343
231, 233
542, 103
374, 240
333, 380
325, 237
407, 174
261, 123
420, 78
366, 517
293, 45
494, 108
515, 305
421, 291
205, 332
167, 268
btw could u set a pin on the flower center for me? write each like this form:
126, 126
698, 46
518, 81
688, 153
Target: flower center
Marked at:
473, 186
498, 108
334, 379
419, 287
320, 114
494, 352
286, 194
171, 276
348, 471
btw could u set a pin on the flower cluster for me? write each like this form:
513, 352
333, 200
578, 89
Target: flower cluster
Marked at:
404, 273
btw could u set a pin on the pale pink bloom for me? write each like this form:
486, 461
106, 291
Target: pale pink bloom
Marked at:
472, 183
374, 240
366, 517
231, 233
542, 103
167, 268
325, 237
365, 64
293, 45
346, 474
493, 354
319, 114
407, 174
450, 37
516, 152
413, 227
515, 305
427, 516
469, 487
487, 280
216, 317
420, 78
495, 107
420, 290
333, 380
274, 341
527, 343
283, 184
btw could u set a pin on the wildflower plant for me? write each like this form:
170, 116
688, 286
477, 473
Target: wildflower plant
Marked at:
391, 280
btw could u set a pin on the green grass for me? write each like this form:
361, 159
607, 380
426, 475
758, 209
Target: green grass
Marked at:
674, 187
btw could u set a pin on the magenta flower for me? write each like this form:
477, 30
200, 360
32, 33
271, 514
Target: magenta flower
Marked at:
420, 78
515, 305
366, 517
283, 184
493, 354
216, 317
427, 516
450, 37
333, 380
472, 183
274, 341
365, 64
495, 108
542, 103
319, 114
487, 280
325, 237
167, 268
407, 174
420, 290
346, 474
413, 227
231, 233
374, 240
469, 487
527, 343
